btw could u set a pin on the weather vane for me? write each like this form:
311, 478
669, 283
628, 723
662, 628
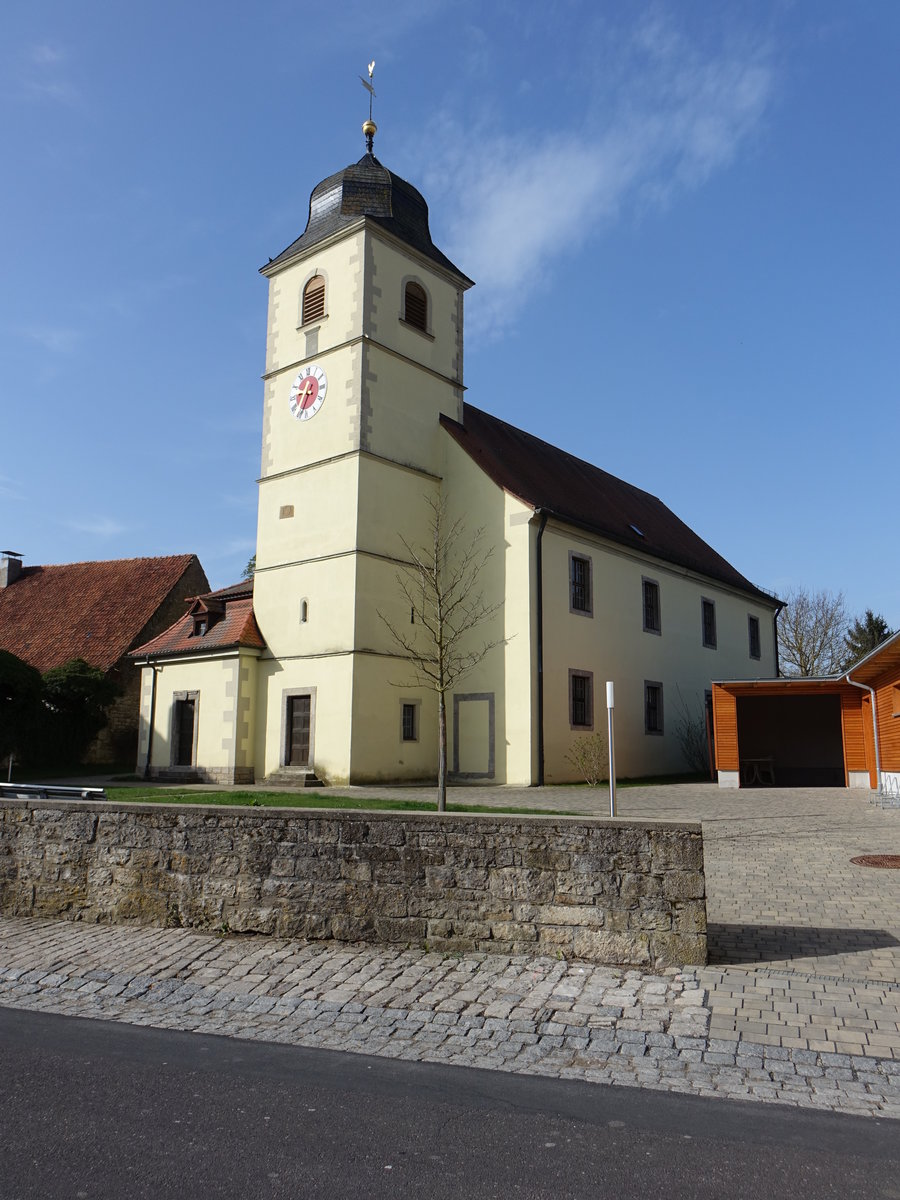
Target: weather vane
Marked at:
369, 127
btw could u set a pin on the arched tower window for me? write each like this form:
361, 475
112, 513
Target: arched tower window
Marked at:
415, 308
313, 300
304, 612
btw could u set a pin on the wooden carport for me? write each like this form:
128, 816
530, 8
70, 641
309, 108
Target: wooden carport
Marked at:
792, 732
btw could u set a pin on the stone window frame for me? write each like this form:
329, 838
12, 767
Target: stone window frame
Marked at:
461, 697
708, 605
646, 582
588, 609
657, 729
174, 744
576, 673
415, 706
287, 694
753, 636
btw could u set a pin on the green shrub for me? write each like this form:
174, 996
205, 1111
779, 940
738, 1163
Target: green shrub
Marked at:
20, 703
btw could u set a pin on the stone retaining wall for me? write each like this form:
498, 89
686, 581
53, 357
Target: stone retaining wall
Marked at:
605, 891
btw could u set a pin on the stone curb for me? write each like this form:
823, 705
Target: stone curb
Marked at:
611, 1053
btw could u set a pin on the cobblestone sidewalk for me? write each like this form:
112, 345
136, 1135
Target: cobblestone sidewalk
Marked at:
695, 1031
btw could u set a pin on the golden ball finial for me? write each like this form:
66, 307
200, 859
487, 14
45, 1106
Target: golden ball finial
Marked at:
369, 129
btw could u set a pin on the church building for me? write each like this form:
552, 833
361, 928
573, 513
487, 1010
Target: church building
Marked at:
365, 428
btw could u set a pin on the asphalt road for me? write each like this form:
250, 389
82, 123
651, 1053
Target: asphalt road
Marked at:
91, 1109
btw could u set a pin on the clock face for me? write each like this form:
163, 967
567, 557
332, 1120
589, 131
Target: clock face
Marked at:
308, 392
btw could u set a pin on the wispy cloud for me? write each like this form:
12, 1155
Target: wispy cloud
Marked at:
675, 115
97, 526
45, 76
57, 339
11, 488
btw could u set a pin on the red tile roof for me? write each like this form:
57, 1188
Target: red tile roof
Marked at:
236, 627
89, 610
573, 490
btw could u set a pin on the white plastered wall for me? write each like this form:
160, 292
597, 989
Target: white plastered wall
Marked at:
613, 645
223, 688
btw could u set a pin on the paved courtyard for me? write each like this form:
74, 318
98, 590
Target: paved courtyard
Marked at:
800, 1003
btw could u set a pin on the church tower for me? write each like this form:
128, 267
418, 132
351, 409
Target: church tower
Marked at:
364, 353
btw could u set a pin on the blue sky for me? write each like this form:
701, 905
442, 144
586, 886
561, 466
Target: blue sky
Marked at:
681, 220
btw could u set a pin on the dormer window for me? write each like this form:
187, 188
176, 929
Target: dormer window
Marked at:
415, 307
313, 308
201, 624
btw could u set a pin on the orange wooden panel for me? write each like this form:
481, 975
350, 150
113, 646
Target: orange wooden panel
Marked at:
725, 725
854, 737
888, 723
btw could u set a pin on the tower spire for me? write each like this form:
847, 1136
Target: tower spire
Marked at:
369, 127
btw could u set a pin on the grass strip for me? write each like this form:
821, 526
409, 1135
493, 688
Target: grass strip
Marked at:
159, 795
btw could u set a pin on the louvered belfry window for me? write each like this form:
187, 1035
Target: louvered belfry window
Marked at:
416, 307
313, 300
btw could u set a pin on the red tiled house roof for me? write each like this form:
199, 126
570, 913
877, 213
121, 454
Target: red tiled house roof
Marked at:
575, 491
91, 610
229, 620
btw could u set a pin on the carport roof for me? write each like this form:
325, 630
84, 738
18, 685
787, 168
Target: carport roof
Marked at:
883, 658
868, 670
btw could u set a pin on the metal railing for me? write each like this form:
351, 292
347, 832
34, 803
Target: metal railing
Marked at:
888, 795
49, 791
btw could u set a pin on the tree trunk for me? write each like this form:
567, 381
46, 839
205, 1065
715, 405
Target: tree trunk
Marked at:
442, 754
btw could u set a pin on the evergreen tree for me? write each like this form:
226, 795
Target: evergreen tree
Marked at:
865, 635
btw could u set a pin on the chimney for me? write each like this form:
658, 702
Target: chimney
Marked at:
10, 567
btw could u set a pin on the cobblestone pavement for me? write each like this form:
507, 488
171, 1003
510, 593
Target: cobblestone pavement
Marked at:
800, 1005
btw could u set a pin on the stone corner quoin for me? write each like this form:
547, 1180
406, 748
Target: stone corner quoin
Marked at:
616, 892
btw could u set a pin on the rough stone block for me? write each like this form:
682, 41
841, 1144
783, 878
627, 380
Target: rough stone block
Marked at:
624, 948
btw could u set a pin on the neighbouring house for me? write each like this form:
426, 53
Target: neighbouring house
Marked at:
364, 424
835, 731
97, 611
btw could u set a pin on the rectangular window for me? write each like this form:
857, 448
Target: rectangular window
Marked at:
708, 613
753, 632
581, 699
653, 707
580, 584
409, 723
652, 622
895, 693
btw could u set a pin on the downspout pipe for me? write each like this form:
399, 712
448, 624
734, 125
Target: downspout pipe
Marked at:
865, 687
539, 562
152, 667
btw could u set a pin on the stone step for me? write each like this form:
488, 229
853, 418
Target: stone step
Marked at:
294, 777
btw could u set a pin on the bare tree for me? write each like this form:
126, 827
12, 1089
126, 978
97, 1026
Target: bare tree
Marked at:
442, 586
811, 633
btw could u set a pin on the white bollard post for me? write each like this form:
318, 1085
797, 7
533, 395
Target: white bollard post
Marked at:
610, 705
